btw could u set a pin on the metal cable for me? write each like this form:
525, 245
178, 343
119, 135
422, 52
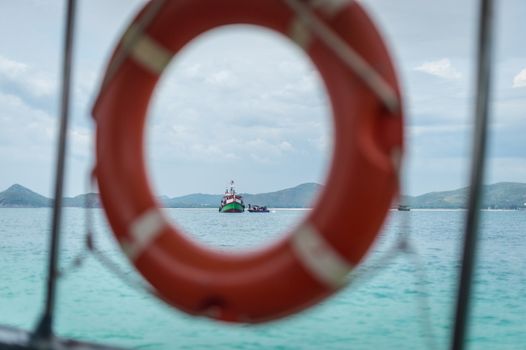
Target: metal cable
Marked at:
79, 259
92, 248
44, 329
485, 40
402, 246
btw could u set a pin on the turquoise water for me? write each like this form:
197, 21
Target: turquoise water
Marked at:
386, 309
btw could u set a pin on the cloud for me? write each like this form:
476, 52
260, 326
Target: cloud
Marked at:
421, 130
30, 80
520, 79
81, 142
241, 106
11, 68
511, 169
27, 133
222, 79
441, 68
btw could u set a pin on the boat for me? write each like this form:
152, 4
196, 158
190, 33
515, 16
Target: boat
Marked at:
257, 209
403, 207
231, 202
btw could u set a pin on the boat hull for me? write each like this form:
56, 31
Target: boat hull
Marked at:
234, 207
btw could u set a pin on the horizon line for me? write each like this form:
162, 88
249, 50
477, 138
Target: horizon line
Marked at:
246, 193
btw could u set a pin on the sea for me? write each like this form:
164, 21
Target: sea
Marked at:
401, 297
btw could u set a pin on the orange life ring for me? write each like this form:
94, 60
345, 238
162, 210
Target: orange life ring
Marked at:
311, 262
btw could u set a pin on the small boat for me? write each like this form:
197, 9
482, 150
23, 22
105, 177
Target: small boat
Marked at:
403, 207
231, 202
258, 209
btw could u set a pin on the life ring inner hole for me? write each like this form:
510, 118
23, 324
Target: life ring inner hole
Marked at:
242, 103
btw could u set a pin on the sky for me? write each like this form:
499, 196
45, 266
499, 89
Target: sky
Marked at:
244, 103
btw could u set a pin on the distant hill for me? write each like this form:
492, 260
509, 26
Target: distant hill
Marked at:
297, 197
503, 195
88, 200
300, 196
196, 200
17, 196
